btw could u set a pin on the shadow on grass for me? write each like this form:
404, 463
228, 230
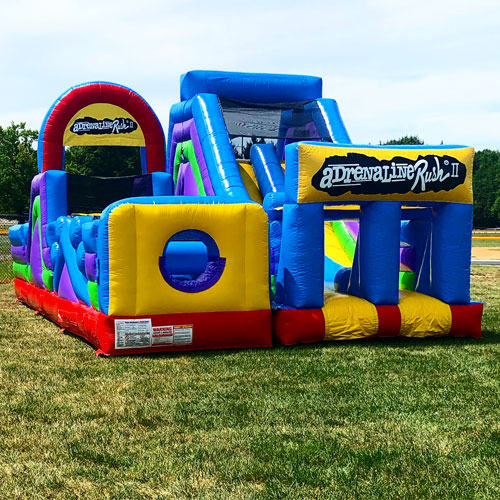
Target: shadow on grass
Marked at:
489, 338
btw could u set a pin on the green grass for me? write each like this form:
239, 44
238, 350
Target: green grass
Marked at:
6, 270
5, 260
4, 241
397, 419
4, 246
486, 243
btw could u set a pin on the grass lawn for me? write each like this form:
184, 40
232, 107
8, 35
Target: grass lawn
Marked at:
400, 419
5, 259
6, 274
486, 243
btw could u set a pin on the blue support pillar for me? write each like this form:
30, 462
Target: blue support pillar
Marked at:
301, 269
451, 253
375, 271
144, 163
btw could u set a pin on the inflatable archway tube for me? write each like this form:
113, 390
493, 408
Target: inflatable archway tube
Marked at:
51, 140
267, 168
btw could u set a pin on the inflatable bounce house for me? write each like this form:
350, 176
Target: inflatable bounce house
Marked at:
256, 220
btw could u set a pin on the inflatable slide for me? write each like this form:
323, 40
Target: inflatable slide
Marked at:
255, 220
240, 111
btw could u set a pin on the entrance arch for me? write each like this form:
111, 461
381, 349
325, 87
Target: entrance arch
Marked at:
69, 121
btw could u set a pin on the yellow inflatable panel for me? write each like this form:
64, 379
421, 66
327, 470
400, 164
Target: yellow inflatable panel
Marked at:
416, 168
342, 207
250, 181
423, 316
333, 248
349, 317
122, 128
137, 237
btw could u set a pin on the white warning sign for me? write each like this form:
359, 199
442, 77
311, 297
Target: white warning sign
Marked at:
133, 333
163, 335
183, 334
137, 333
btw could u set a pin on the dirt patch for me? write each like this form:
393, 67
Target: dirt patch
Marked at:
485, 253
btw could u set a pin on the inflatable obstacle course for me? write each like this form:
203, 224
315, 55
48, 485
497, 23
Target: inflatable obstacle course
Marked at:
436, 208
255, 218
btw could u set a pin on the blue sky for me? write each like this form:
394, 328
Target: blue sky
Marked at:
430, 68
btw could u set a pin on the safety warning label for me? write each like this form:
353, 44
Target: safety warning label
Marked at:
183, 334
136, 333
132, 333
163, 335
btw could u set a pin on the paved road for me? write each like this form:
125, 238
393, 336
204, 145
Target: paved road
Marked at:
485, 262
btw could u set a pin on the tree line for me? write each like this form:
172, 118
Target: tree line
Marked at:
18, 165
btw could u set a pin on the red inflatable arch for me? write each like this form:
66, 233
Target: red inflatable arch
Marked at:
50, 155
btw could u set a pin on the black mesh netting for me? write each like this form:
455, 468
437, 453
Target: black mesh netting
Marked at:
92, 194
294, 121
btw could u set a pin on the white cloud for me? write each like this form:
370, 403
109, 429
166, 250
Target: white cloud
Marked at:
455, 106
427, 67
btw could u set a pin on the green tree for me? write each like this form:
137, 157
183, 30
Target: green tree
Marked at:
486, 184
18, 166
103, 161
242, 152
408, 140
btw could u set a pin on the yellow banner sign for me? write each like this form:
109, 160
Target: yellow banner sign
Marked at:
103, 124
329, 173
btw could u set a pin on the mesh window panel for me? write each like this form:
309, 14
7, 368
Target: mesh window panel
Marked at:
293, 121
93, 194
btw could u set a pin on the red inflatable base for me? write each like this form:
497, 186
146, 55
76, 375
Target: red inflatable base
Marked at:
294, 326
216, 330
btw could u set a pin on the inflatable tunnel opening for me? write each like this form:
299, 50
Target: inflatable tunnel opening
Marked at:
341, 237
340, 246
104, 160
